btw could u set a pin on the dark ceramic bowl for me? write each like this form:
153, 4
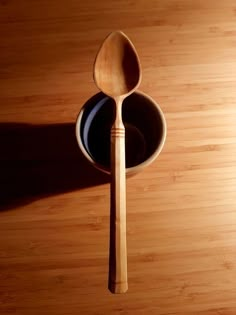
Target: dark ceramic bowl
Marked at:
145, 130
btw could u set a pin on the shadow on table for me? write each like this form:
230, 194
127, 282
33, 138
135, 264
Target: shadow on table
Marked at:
41, 160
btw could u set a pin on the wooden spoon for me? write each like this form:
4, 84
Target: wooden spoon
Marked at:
117, 73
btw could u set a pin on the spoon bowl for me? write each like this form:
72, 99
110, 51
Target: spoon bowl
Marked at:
117, 69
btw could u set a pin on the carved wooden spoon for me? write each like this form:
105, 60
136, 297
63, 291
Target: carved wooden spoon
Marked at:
117, 73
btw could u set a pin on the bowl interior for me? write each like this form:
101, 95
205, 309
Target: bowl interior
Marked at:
143, 128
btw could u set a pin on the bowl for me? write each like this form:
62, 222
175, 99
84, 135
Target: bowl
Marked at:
145, 131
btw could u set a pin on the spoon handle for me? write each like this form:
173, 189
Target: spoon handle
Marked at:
118, 253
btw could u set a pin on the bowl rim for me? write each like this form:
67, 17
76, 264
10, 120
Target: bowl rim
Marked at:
133, 169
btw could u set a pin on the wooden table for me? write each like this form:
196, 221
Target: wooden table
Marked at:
54, 219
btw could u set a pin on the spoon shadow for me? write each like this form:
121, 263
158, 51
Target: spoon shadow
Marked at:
41, 160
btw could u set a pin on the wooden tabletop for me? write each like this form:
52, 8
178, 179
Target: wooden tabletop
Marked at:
181, 210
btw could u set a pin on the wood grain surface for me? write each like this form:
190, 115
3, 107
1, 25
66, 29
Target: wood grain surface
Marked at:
181, 211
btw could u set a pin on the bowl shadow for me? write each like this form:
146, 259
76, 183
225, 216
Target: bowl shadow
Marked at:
41, 160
